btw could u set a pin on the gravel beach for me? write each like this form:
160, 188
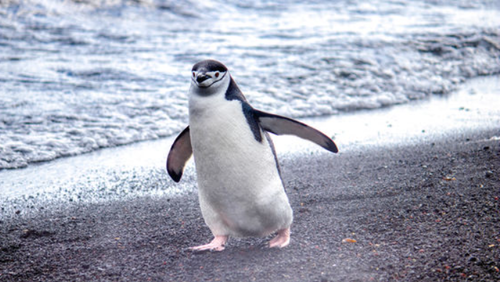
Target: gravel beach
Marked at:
413, 195
426, 211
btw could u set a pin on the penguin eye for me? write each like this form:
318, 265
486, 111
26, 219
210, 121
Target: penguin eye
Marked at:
194, 74
216, 74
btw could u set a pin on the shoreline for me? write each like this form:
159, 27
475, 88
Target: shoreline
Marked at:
472, 107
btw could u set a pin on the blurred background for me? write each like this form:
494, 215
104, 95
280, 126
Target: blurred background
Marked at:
77, 75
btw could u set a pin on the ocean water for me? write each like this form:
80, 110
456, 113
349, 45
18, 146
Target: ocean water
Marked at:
77, 76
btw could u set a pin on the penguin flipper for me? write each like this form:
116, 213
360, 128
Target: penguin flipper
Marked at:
179, 154
280, 125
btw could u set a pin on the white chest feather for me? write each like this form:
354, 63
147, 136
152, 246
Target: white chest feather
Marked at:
240, 189
225, 150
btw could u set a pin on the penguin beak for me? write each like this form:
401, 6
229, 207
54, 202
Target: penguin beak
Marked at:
202, 77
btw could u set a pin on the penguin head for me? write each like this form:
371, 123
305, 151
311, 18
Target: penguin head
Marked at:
208, 77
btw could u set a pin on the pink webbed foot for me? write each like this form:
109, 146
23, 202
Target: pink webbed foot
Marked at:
217, 244
281, 240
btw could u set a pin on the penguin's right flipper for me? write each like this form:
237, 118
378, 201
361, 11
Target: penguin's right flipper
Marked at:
180, 152
280, 125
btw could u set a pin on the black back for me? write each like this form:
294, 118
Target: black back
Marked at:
234, 93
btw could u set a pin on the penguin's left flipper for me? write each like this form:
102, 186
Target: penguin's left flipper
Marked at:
180, 152
280, 125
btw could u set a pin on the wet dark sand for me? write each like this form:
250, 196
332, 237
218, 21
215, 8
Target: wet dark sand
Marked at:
427, 211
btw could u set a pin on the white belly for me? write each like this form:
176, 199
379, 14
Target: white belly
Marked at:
240, 190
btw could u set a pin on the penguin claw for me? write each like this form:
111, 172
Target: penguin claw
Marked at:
217, 244
281, 240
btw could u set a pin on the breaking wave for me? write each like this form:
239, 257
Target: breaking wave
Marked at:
82, 75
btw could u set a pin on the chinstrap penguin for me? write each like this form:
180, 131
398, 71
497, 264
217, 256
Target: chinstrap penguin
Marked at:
240, 188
